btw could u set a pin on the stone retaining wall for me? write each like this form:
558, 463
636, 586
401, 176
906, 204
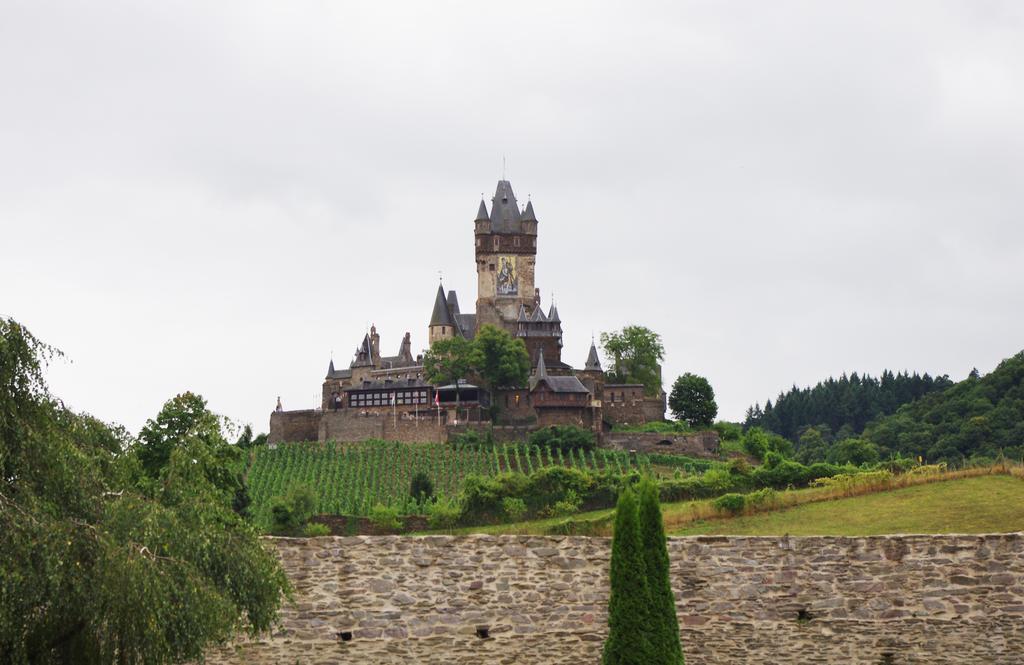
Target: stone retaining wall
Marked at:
695, 444
887, 599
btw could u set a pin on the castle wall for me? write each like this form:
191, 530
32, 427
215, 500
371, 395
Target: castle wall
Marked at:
291, 426
631, 406
698, 444
348, 426
909, 600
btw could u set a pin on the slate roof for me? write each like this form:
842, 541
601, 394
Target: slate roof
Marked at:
593, 361
528, 214
467, 324
558, 384
481, 214
505, 215
441, 316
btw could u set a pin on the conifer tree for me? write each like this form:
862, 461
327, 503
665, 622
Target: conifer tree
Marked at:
628, 640
663, 624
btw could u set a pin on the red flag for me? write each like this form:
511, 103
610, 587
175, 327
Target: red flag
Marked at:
437, 399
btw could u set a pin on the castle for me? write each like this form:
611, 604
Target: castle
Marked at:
388, 397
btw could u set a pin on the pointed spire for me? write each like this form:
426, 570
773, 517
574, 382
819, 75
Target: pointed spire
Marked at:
505, 213
441, 316
453, 303
481, 214
522, 314
330, 369
528, 214
553, 314
542, 370
593, 361
538, 315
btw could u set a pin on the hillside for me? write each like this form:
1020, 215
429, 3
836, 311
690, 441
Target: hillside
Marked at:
350, 479
979, 416
986, 504
972, 501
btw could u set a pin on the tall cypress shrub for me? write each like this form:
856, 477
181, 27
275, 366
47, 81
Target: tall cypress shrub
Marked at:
628, 640
664, 626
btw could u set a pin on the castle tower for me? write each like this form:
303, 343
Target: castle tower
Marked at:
506, 251
442, 325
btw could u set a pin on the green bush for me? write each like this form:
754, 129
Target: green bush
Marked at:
570, 505
473, 440
731, 503
314, 529
513, 507
421, 489
564, 438
290, 513
728, 431
442, 513
385, 517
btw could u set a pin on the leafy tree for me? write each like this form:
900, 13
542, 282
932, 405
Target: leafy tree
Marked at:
186, 422
291, 512
693, 400
629, 640
448, 361
99, 563
813, 445
664, 625
853, 451
635, 354
758, 443
500, 359
421, 489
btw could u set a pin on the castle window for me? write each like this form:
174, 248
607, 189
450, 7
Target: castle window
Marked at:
516, 241
495, 242
491, 268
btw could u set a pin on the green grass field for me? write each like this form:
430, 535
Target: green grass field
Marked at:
986, 504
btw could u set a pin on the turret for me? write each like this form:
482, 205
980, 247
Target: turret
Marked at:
442, 325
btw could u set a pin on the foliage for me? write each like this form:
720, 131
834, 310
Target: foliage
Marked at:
663, 623
315, 529
634, 354
692, 401
442, 513
730, 503
728, 431
564, 438
421, 488
514, 508
628, 641
848, 403
758, 443
853, 451
448, 360
979, 416
103, 560
566, 506
500, 359
349, 479
385, 517
291, 512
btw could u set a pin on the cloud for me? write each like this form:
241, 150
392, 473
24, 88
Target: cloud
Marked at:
217, 197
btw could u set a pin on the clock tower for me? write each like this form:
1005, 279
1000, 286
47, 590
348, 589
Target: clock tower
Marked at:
506, 253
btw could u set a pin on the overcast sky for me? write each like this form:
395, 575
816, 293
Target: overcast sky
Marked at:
217, 196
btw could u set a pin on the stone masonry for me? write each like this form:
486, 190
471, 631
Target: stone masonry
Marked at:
886, 599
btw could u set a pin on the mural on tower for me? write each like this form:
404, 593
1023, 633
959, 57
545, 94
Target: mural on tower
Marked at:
508, 278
